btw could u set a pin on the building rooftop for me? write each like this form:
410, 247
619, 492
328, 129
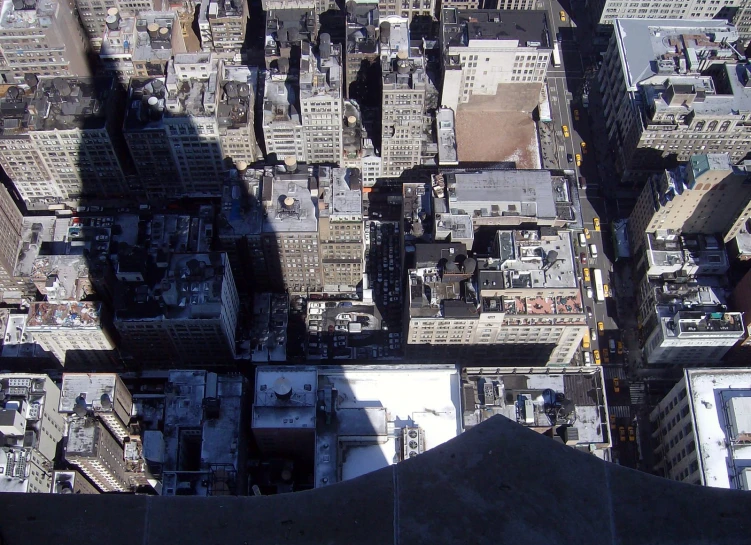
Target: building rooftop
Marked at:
219, 9
321, 72
291, 25
92, 387
279, 103
237, 97
339, 193
242, 213
19, 15
568, 403
289, 204
65, 104
362, 20
668, 47
440, 286
721, 404
157, 44
268, 334
120, 41
419, 403
62, 277
685, 255
73, 315
496, 193
528, 259
507, 28
446, 137
36, 232
190, 289
285, 396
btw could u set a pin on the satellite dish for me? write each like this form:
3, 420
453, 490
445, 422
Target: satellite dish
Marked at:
106, 401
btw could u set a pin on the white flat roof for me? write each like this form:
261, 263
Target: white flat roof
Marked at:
423, 396
710, 390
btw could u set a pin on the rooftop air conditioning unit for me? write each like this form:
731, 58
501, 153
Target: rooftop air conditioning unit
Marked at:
413, 441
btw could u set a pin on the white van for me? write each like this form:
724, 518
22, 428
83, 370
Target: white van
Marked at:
593, 250
587, 358
582, 240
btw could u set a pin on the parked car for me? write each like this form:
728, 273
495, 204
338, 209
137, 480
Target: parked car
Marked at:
583, 258
593, 250
569, 158
616, 385
631, 434
593, 333
611, 344
622, 434
620, 348
590, 293
589, 311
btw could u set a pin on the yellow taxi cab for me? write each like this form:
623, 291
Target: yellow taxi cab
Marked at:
585, 341
620, 348
587, 278
563, 16
605, 355
578, 160
600, 327
586, 232
616, 385
606, 290
576, 115
612, 422
566, 134
596, 354
631, 434
584, 148
596, 221
622, 434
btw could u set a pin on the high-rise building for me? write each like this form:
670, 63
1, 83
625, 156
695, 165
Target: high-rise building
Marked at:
708, 195
321, 103
73, 331
701, 427
361, 53
172, 131
11, 226
235, 114
403, 98
102, 394
222, 24
41, 37
609, 10
97, 454
71, 482
672, 89
184, 314
485, 48
340, 229
63, 143
290, 230
31, 429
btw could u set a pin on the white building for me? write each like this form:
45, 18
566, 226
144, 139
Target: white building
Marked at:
351, 421
703, 427
31, 428
484, 48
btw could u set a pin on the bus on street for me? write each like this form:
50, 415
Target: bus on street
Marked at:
597, 282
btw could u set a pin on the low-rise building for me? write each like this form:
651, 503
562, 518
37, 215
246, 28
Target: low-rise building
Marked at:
702, 427
31, 428
235, 114
568, 404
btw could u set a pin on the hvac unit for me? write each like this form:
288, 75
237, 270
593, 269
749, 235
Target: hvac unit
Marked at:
413, 442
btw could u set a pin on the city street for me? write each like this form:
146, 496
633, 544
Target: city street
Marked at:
612, 322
